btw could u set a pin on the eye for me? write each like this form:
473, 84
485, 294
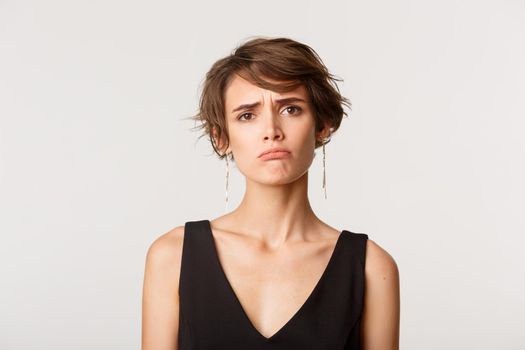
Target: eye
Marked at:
239, 118
297, 109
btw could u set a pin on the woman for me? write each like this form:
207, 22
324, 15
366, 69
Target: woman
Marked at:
269, 274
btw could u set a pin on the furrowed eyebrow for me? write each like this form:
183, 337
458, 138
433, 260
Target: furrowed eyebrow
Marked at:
279, 101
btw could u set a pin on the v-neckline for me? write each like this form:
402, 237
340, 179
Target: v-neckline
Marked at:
301, 308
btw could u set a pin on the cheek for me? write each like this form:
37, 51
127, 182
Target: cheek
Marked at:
244, 146
240, 139
303, 135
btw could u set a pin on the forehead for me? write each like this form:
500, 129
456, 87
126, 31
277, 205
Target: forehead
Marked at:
241, 90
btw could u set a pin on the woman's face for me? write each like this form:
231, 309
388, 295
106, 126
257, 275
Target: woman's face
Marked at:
259, 120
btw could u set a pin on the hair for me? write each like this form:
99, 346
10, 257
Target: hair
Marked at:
286, 61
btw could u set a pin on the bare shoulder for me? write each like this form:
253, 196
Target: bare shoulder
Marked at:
381, 310
163, 262
378, 261
167, 248
160, 301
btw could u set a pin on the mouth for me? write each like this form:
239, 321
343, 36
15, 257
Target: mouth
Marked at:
275, 155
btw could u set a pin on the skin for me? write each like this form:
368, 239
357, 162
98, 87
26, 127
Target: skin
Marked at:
272, 247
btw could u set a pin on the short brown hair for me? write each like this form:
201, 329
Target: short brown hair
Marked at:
284, 60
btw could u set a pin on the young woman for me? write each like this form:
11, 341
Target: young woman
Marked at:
269, 274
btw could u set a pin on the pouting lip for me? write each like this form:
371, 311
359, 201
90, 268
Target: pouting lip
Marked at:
275, 149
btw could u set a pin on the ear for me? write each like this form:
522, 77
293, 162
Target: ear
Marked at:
219, 143
324, 133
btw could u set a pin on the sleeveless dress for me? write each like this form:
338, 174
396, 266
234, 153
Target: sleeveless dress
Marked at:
211, 316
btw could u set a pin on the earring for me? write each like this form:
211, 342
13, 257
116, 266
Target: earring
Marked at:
227, 178
324, 173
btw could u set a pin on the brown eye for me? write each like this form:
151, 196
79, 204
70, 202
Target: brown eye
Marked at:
293, 108
244, 115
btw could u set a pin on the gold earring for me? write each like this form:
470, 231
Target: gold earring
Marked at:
324, 173
227, 178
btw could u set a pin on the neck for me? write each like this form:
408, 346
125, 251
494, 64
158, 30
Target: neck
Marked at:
275, 213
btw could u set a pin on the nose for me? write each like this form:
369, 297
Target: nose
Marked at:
273, 129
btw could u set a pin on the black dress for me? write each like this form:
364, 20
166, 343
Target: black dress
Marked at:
211, 316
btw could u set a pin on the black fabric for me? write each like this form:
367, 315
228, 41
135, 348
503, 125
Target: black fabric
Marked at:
211, 316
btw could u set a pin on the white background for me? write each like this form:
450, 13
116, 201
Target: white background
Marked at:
97, 160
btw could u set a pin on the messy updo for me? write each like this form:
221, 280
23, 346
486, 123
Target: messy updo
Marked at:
286, 61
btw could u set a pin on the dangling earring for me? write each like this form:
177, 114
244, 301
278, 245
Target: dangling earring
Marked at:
324, 173
227, 177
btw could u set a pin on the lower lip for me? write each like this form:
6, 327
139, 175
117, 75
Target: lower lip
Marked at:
275, 155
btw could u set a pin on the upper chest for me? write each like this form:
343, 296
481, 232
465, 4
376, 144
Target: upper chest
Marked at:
271, 287
233, 295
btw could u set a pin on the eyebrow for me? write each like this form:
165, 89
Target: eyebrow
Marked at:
280, 101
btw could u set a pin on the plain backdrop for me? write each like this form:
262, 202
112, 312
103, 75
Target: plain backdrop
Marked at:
97, 159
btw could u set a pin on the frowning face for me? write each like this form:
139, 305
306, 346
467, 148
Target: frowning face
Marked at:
259, 120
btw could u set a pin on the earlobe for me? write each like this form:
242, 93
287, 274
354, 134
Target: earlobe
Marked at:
219, 143
324, 133
215, 139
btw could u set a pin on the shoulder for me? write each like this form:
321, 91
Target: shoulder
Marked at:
160, 301
381, 312
378, 262
165, 252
